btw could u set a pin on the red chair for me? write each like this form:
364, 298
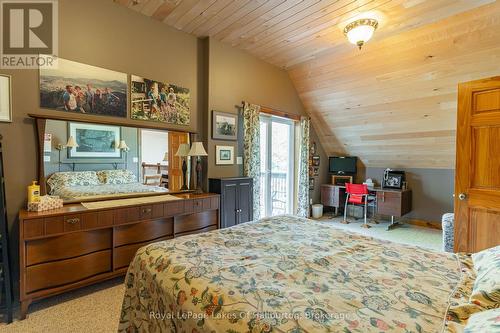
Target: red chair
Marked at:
357, 194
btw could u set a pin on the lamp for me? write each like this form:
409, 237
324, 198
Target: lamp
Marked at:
198, 150
71, 143
124, 148
183, 152
360, 31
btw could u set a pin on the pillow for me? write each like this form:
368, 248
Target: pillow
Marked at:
486, 290
116, 177
485, 321
79, 178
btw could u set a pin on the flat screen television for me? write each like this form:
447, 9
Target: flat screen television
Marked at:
342, 164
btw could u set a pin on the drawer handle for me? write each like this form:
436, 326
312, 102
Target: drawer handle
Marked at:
73, 221
146, 210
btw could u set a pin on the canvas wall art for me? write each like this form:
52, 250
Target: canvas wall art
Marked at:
94, 141
224, 126
157, 101
77, 87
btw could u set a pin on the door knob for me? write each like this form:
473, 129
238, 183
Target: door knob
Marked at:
462, 196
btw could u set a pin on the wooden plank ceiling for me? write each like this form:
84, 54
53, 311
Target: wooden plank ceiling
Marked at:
393, 103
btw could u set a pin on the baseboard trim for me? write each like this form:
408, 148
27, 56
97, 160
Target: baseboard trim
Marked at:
426, 224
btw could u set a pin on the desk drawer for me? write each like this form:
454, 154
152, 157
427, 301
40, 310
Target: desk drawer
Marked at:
143, 231
188, 223
62, 272
123, 255
389, 203
67, 246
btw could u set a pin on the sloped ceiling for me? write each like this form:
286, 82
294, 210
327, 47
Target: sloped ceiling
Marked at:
393, 103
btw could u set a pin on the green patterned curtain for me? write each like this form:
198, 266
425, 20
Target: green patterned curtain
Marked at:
251, 161
303, 169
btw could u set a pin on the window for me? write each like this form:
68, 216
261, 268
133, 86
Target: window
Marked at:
277, 165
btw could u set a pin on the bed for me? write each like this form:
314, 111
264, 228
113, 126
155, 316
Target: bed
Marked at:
82, 185
288, 274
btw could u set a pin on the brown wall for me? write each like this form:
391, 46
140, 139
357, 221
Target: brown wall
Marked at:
235, 76
103, 34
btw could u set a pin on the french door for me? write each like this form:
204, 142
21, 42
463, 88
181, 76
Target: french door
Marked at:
276, 165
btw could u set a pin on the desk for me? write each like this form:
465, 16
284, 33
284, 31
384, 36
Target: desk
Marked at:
391, 202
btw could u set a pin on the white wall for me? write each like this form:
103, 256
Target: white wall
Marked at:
154, 145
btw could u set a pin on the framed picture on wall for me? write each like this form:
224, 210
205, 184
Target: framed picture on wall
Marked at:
5, 98
159, 101
224, 155
94, 141
224, 126
82, 88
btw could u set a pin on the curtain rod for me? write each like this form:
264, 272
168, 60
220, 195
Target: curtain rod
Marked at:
276, 112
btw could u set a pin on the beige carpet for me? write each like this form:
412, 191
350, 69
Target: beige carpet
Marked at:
405, 233
96, 308
93, 309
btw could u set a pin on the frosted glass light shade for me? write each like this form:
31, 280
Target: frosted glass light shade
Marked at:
197, 149
360, 31
71, 143
183, 150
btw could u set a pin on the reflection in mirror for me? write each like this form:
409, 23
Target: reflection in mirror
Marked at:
85, 162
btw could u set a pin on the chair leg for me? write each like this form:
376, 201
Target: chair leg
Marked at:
345, 210
365, 224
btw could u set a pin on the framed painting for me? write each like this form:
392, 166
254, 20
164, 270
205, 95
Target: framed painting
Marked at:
5, 98
224, 126
157, 101
94, 141
81, 88
224, 155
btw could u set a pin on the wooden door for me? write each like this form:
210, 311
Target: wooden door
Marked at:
175, 139
477, 182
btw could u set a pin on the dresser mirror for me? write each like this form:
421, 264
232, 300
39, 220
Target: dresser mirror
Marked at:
95, 161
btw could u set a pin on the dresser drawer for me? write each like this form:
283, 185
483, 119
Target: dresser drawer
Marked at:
67, 246
199, 231
188, 223
123, 255
33, 228
126, 215
198, 205
59, 273
52, 225
143, 231
174, 207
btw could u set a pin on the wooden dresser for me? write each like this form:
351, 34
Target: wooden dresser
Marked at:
71, 247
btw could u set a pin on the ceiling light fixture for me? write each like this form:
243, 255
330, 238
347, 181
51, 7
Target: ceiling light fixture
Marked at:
360, 31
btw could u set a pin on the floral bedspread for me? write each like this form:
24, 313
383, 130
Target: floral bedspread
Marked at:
84, 191
287, 274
